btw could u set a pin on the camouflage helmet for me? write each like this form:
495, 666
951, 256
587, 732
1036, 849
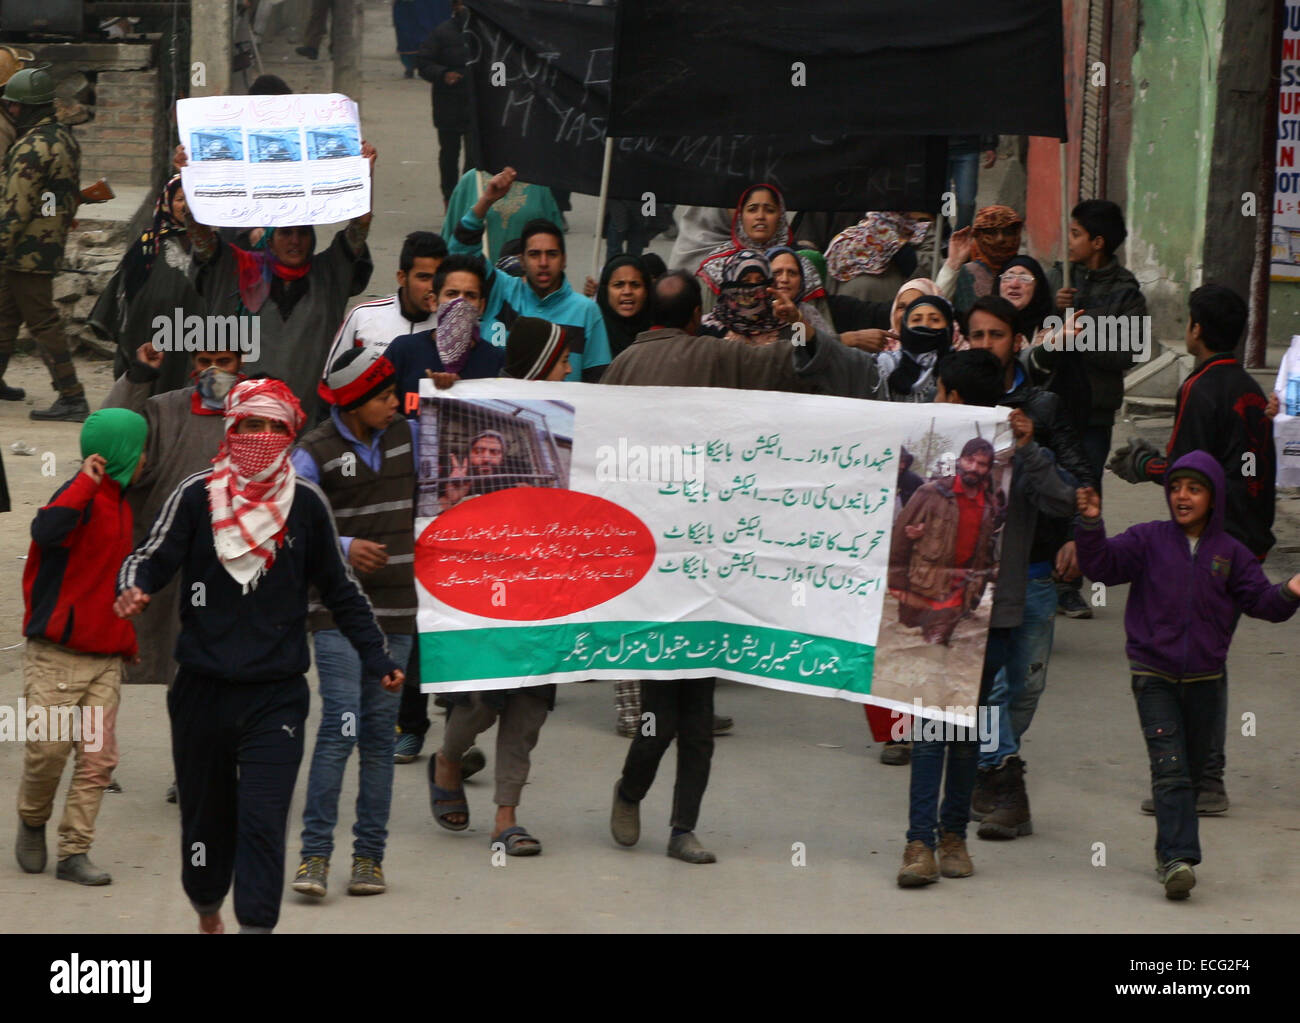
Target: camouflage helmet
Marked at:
32, 86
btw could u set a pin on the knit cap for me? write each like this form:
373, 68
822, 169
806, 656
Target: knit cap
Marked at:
533, 347
356, 376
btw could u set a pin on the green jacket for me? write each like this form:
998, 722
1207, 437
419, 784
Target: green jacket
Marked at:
41, 190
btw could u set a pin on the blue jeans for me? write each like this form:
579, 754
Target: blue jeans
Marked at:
1014, 696
354, 712
964, 173
925, 815
1178, 721
1216, 759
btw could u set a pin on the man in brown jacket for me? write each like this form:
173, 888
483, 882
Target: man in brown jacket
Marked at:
939, 558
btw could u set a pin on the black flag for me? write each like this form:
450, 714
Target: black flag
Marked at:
929, 66
541, 76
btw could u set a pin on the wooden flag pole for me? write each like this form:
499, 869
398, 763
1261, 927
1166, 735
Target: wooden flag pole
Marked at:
600, 209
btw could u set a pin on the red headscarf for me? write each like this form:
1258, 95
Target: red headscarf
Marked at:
256, 267
251, 488
711, 268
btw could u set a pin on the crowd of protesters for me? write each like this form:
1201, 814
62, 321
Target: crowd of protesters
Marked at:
230, 508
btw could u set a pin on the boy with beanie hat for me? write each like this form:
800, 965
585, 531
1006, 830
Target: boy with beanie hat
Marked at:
363, 458
536, 349
73, 660
1190, 581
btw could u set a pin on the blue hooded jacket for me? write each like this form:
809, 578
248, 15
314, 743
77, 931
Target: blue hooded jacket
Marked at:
1182, 606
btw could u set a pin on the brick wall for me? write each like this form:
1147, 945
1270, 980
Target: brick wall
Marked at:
125, 140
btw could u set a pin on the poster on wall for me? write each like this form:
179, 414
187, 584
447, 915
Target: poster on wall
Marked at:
1285, 258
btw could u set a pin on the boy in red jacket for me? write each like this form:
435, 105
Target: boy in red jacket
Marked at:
76, 646
1189, 581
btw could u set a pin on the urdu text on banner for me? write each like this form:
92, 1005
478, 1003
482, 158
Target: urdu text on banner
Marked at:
564, 532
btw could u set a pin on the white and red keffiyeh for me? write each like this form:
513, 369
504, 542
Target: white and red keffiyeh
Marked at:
251, 488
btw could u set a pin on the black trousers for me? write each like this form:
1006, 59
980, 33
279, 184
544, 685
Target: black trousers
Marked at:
681, 709
1178, 723
236, 747
449, 164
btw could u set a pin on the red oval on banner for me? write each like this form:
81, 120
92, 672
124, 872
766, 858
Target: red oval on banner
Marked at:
530, 553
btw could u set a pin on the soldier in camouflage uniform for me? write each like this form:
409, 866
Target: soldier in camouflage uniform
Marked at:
10, 62
39, 193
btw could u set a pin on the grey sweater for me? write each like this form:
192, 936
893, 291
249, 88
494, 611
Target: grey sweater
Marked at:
831, 367
179, 443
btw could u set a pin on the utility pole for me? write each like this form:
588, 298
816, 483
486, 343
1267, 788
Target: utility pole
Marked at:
347, 20
1248, 61
211, 32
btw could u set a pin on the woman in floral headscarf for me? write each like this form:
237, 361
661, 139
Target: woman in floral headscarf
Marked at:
745, 309
759, 223
867, 260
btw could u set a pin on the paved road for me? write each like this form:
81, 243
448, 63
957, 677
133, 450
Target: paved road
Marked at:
797, 770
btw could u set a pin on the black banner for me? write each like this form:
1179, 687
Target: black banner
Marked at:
541, 73
948, 67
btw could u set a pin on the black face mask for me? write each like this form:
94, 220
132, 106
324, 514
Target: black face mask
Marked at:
919, 340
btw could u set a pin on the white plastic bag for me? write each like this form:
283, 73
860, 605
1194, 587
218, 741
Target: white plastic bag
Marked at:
1286, 427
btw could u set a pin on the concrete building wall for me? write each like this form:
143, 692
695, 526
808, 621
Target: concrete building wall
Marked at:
1283, 313
120, 120
127, 139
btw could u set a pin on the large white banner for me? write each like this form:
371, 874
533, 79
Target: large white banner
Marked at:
273, 161
570, 531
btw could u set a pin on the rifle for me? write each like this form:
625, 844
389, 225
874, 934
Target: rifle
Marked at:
100, 191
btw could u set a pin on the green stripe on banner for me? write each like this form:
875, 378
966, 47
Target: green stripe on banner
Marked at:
703, 648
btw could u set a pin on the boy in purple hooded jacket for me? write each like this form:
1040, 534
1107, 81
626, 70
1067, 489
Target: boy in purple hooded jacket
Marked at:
1190, 581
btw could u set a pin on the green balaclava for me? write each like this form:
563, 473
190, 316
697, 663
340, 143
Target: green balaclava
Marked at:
118, 435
